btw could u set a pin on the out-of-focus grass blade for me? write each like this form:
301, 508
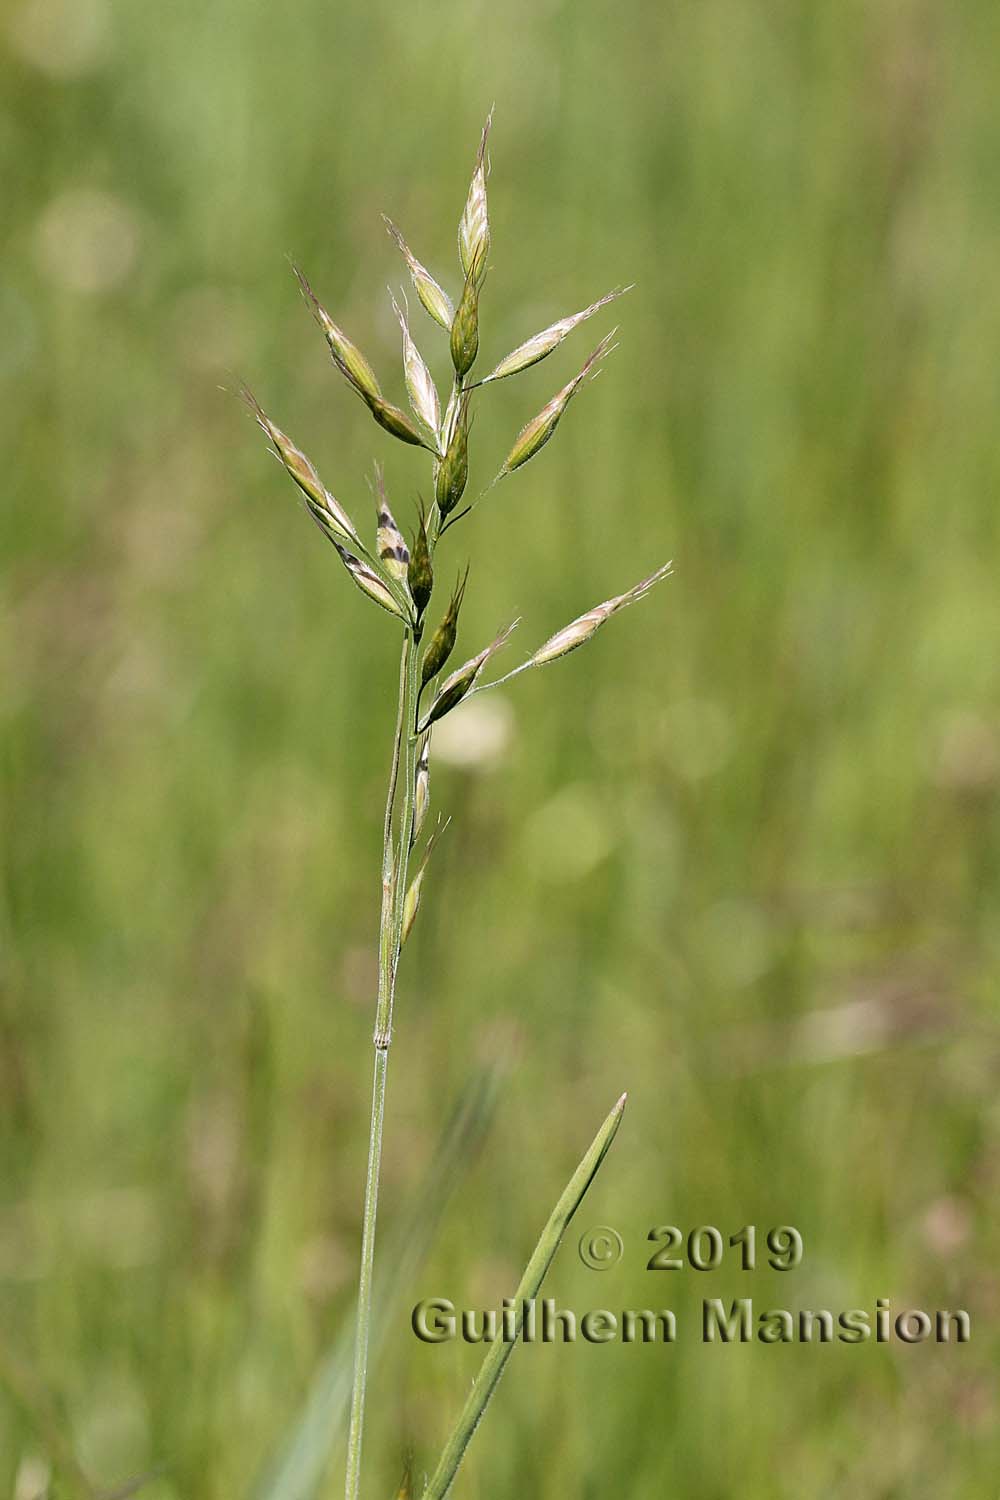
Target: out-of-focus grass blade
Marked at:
298, 1468
534, 1274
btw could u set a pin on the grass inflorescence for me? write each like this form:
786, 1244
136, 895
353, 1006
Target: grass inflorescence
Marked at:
403, 579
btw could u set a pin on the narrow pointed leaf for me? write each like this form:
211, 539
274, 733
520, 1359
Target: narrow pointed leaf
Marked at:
534, 1274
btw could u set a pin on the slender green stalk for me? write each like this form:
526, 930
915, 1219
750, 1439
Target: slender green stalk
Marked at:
534, 1274
393, 882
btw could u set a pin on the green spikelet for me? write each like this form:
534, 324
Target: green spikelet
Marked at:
536, 433
395, 422
462, 681
420, 572
442, 642
452, 472
465, 328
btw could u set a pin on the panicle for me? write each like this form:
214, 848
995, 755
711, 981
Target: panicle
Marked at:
474, 229
369, 582
419, 382
452, 473
536, 433
461, 681
328, 512
420, 573
433, 298
580, 630
535, 349
442, 642
346, 356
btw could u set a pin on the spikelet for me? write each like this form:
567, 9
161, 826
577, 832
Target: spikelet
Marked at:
393, 553
420, 573
359, 374
535, 349
397, 423
421, 787
451, 414
346, 356
411, 901
369, 582
433, 298
474, 229
580, 630
443, 640
536, 433
452, 473
465, 328
327, 511
419, 382
461, 681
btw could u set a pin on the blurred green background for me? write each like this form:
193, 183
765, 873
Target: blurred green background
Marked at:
740, 856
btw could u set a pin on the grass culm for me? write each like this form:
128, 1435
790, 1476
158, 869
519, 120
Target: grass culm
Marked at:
400, 577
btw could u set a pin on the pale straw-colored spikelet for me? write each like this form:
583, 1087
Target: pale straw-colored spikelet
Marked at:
358, 372
450, 418
411, 901
419, 381
535, 349
433, 298
328, 512
585, 626
369, 582
390, 545
474, 228
462, 680
346, 355
536, 433
579, 631
421, 787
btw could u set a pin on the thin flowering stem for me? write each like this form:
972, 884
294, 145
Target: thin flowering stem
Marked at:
386, 983
400, 579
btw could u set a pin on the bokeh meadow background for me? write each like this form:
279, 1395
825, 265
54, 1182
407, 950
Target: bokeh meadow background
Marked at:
739, 857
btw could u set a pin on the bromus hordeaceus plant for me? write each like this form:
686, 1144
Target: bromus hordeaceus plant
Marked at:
401, 578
